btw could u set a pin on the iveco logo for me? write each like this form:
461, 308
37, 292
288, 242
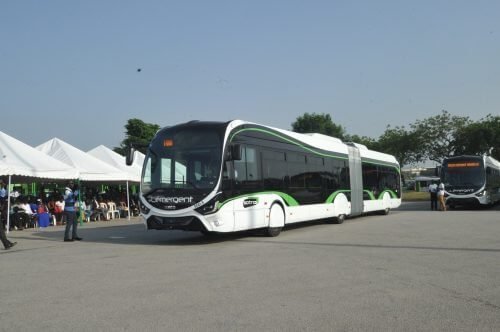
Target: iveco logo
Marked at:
169, 200
250, 202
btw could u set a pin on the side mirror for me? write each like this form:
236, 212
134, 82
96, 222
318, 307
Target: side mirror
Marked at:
129, 155
235, 152
437, 171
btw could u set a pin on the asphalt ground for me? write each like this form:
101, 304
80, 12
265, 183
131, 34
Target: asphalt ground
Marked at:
412, 270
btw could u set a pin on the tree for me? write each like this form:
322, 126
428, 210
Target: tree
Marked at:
482, 137
437, 134
406, 146
318, 123
139, 133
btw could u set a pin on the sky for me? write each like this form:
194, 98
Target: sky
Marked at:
69, 69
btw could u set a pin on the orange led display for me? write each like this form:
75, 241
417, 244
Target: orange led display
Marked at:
463, 164
168, 142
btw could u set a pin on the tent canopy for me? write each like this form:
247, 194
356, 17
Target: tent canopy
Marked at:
114, 159
20, 160
89, 167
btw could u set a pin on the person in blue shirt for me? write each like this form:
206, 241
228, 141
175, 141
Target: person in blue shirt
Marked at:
3, 192
70, 198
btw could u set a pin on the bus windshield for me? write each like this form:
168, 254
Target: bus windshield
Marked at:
469, 173
186, 159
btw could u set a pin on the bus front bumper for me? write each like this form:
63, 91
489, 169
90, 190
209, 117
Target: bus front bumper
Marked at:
189, 223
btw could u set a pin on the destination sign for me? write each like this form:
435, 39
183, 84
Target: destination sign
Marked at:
464, 164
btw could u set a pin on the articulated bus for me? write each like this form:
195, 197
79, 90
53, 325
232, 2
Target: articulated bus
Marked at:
234, 176
471, 180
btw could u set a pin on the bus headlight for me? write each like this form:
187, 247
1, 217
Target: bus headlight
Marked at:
143, 208
209, 207
481, 194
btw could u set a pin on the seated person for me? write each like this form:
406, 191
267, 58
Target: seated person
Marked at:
20, 219
42, 214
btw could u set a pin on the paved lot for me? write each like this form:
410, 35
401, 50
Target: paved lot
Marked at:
413, 270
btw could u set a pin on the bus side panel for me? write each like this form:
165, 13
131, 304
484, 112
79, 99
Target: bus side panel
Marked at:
250, 211
319, 211
372, 205
222, 221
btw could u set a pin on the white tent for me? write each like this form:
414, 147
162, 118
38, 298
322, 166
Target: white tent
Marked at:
107, 155
20, 160
114, 159
139, 159
89, 167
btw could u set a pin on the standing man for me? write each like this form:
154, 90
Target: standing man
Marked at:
3, 214
70, 197
433, 191
440, 195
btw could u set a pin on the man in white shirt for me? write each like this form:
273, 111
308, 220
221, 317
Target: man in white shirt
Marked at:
433, 191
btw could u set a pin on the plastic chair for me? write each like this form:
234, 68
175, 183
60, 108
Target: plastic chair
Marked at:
123, 208
113, 211
105, 210
43, 219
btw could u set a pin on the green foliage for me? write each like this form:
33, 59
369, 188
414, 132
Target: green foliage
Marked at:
318, 123
405, 145
482, 137
437, 134
138, 133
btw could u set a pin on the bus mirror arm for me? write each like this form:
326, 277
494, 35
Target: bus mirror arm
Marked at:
437, 171
130, 152
129, 155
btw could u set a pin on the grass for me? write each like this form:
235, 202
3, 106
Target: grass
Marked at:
415, 196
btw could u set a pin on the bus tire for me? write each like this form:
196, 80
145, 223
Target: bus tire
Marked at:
385, 211
276, 217
339, 219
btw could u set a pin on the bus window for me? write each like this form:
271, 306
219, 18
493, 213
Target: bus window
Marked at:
247, 173
274, 169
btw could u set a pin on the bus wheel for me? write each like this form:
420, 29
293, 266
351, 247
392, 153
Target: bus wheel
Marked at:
385, 211
339, 220
276, 217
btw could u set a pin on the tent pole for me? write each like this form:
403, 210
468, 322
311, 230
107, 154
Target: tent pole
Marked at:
8, 205
80, 218
128, 203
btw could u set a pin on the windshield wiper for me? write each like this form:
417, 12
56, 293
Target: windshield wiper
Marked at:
188, 182
151, 191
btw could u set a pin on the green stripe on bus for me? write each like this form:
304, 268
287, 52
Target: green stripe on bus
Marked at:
287, 140
370, 193
363, 160
392, 193
289, 200
332, 196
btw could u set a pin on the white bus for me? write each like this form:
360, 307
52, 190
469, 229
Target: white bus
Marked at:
471, 180
234, 176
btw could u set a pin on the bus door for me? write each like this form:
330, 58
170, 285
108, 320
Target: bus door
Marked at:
249, 203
